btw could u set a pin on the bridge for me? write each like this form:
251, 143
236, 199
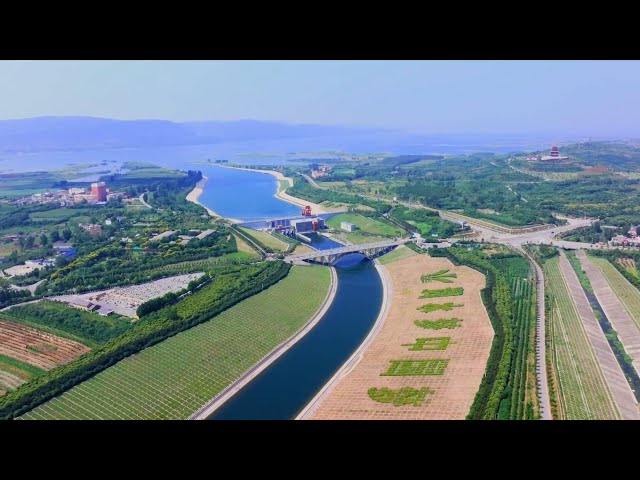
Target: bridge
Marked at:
331, 256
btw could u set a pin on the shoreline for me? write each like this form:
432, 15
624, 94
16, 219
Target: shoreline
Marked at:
355, 358
194, 194
282, 195
228, 392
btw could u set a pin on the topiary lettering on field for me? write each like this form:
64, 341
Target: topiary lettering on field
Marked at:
432, 343
402, 368
439, 323
401, 396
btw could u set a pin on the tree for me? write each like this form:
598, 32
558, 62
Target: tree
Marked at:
44, 239
66, 234
29, 242
55, 236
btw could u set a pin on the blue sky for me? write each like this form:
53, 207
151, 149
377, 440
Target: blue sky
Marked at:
586, 97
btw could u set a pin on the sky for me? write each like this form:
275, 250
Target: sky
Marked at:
572, 97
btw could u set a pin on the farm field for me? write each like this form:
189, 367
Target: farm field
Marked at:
37, 348
14, 373
367, 225
584, 393
397, 253
268, 240
56, 214
448, 362
627, 293
357, 239
173, 379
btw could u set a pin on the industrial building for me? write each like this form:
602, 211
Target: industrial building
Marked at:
307, 224
349, 227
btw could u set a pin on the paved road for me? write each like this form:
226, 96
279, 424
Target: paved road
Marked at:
345, 249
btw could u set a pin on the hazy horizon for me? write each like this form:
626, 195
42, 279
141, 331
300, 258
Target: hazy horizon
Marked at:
565, 98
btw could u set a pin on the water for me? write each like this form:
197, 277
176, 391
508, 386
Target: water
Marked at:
243, 195
288, 385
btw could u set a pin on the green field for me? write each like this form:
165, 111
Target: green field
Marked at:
173, 379
358, 239
627, 293
15, 368
583, 391
367, 225
268, 240
397, 253
55, 214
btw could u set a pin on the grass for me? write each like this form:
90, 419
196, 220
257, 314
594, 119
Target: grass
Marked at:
430, 343
397, 253
367, 225
432, 307
173, 379
358, 239
18, 368
410, 367
401, 396
443, 276
583, 391
442, 292
628, 294
268, 240
55, 214
439, 324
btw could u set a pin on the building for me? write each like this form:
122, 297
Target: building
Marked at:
554, 154
91, 228
307, 225
99, 191
349, 227
82, 304
77, 191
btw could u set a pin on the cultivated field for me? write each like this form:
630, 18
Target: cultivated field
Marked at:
14, 373
40, 349
125, 300
173, 379
583, 390
266, 239
408, 372
627, 293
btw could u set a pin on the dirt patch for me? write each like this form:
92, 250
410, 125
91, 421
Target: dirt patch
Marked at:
18, 341
451, 393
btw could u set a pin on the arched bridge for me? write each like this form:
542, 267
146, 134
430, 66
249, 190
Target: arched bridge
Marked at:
330, 256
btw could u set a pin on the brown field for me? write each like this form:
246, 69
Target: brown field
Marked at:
466, 352
303, 249
37, 348
627, 262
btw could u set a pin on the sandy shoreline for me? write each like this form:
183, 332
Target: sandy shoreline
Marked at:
195, 194
317, 208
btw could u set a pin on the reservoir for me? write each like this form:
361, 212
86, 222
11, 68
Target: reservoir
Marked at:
286, 386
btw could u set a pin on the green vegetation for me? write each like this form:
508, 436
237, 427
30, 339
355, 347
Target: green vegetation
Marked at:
227, 288
625, 291
429, 343
442, 292
432, 307
426, 222
439, 276
60, 319
401, 396
21, 369
397, 253
439, 324
173, 379
511, 311
365, 224
582, 388
577, 267
404, 368
269, 241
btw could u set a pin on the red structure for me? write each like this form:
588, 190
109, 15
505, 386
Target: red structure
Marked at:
314, 225
554, 152
99, 190
306, 211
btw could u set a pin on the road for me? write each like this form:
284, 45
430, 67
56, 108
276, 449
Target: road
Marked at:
141, 198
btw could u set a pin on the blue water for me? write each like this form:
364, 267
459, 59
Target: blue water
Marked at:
282, 390
243, 195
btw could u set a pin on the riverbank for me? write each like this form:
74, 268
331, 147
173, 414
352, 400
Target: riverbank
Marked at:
194, 195
282, 195
457, 353
204, 412
353, 361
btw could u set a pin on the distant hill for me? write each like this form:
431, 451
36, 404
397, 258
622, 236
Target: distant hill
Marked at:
81, 133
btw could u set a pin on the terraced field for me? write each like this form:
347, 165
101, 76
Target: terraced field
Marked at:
583, 391
627, 293
173, 379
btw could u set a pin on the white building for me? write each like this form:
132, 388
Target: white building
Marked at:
349, 227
